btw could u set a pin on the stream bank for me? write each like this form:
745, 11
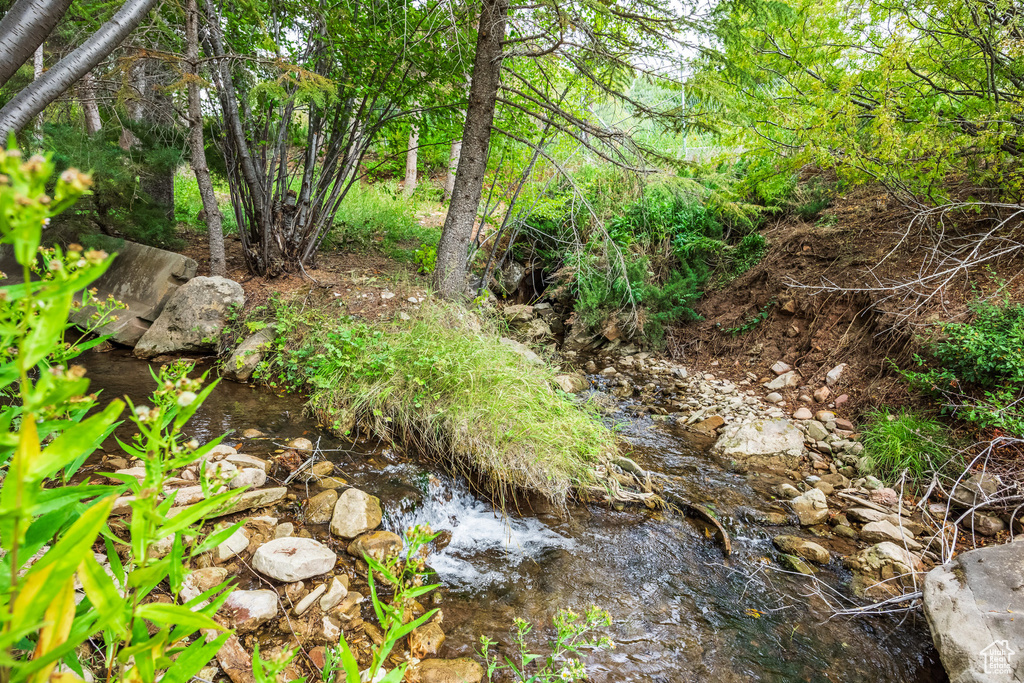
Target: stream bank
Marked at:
681, 610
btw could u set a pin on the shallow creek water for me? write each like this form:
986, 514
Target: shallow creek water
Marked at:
682, 612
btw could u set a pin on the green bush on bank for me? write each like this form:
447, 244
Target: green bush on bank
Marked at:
976, 369
440, 385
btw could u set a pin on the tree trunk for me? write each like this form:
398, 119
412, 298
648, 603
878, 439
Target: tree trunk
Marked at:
196, 146
90, 110
410, 161
28, 103
453, 249
23, 29
37, 71
453, 166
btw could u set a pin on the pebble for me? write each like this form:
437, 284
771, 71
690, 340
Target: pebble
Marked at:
308, 601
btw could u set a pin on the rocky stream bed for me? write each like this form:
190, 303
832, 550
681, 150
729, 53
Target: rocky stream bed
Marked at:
683, 608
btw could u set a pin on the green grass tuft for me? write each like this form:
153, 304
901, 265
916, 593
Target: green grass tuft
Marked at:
906, 441
380, 217
447, 388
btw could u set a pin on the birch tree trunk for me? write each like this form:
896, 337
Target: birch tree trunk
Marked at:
90, 110
197, 150
37, 71
31, 101
23, 29
453, 249
410, 161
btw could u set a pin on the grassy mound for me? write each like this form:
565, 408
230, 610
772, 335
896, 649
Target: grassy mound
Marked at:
443, 385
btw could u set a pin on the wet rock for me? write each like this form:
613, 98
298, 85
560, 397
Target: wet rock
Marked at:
236, 543
884, 530
784, 381
242, 462
246, 610
248, 478
571, 384
330, 483
801, 547
334, 595
426, 641
243, 360
317, 470
832, 376
798, 565
976, 489
445, 671
251, 433
293, 559
376, 544
883, 570
762, 442
356, 512
973, 605
301, 444
811, 507
193, 317
320, 508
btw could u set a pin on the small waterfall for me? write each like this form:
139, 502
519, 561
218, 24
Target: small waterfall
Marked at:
486, 547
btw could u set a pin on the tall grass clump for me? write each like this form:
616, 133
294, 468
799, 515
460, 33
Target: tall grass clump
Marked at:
380, 217
905, 441
442, 385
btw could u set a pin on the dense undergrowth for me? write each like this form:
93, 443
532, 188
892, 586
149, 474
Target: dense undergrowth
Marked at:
442, 385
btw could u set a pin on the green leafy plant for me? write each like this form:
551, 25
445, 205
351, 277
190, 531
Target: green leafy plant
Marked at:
426, 258
751, 322
905, 441
49, 531
572, 635
403, 574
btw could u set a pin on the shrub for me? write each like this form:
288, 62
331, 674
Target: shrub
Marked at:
905, 441
50, 530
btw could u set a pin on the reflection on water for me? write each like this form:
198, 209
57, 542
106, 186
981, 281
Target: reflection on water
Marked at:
682, 612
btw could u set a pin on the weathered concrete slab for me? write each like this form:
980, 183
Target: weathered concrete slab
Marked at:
143, 278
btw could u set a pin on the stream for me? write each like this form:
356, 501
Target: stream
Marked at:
682, 612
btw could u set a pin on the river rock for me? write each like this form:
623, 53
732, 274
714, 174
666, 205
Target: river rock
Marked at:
884, 530
376, 544
243, 360
571, 384
811, 507
246, 610
201, 580
794, 545
974, 605
308, 601
236, 543
193, 318
251, 478
816, 430
320, 508
254, 498
335, 594
445, 671
975, 489
301, 444
762, 443
293, 559
426, 641
356, 512
883, 569
242, 461
317, 470
784, 381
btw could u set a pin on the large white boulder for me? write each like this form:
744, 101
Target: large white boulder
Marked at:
761, 443
293, 559
975, 609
